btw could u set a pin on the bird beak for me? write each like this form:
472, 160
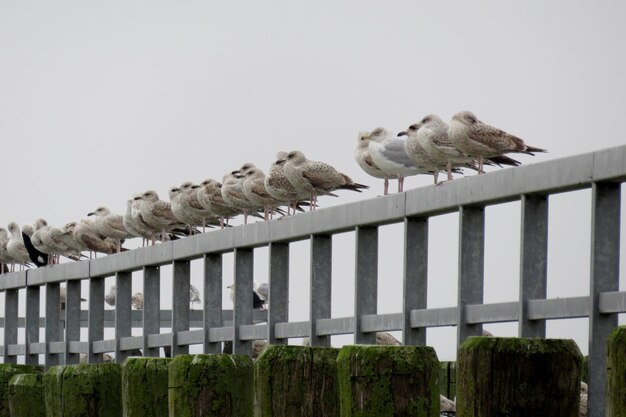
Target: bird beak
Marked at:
137, 198
91, 214
403, 133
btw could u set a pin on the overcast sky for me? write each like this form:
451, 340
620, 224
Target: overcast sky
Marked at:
100, 100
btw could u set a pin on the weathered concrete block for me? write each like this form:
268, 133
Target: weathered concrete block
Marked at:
616, 373
381, 381
26, 397
211, 385
144, 387
296, 381
518, 377
84, 390
7, 371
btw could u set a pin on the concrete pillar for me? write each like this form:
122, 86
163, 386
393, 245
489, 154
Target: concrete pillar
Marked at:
7, 371
386, 381
524, 377
296, 381
144, 387
26, 397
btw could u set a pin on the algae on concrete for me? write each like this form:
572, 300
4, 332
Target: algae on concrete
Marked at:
296, 381
518, 377
26, 397
93, 390
7, 371
144, 387
616, 373
211, 386
386, 381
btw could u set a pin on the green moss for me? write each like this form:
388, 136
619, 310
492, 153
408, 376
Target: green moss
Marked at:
447, 379
518, 377
144, 387
7, 371
26, 398
211, 385
379, 381
616, 372
84, 390
296, 380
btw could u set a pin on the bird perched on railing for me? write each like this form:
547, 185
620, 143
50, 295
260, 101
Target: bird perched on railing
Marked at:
38, 257
279, 187
363, 158
85, 233
5, 259
15, 247
233, 194
316, 178
389, 154
110, 225
210, 197
258, 299
475, 138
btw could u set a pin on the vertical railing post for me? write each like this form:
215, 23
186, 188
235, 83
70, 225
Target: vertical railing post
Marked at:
366, 281
533, 262
321, 285
53, 322
212, 313
180, 304
33, 300
278, 308
242, 311
415, 291
10, 323
471, 267
151, 307
605, 252
72, 319
95, 332
123, 289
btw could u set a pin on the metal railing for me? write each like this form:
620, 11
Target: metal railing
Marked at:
602, 171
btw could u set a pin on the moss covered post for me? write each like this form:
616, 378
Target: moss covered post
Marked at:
296, 381
385, 381
616, 373
144, 387
26, 397
518, 377
211, 385
7, 371
84, 390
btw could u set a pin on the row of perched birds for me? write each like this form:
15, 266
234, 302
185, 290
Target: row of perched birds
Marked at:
432, 146
427, 147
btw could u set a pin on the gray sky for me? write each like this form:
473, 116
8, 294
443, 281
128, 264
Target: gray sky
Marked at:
99, 100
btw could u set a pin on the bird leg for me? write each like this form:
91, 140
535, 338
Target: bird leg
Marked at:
435, 175
480, 165
400, 184
386, 188
449, 167
245, 218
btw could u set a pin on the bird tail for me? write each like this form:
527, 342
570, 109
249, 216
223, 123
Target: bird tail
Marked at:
354, 186
504, 160
530, 150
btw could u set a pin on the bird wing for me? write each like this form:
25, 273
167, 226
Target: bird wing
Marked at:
393, 149
321, 175
95, 243
495, 138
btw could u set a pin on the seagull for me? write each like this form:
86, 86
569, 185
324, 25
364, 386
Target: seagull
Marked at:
110, 225
133, 222
210, 197
5, 259
232, 193
65, 235
263, 290
63, 297
179, 211
85, 233
316, 178
257, 302
15, 246
278, 186
470, 135
255, 191
194, 296
363, 157
191, 205
109, 297
390, 156
137, 301
38, 257
158, 214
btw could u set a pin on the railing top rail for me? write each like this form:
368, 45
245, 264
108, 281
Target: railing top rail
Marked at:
549, 177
